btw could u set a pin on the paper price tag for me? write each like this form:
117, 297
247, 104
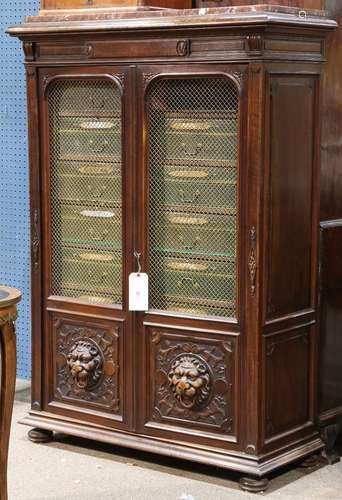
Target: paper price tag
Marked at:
138, 292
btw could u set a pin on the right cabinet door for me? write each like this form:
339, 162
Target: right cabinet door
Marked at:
193, 199
189, 238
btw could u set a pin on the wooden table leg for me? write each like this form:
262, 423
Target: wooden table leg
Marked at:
8, 315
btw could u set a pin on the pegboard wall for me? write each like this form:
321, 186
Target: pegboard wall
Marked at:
14, 187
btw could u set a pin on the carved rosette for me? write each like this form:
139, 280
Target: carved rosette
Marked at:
87, 364
193, 381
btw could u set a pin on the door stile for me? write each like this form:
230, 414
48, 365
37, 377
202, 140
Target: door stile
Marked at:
36, 235
254, 248
129, 195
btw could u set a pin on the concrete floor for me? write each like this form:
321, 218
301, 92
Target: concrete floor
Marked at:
70, 468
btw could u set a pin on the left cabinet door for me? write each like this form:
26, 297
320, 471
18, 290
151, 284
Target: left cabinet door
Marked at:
85, 226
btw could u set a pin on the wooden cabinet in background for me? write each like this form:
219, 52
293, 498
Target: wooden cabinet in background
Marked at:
190, 147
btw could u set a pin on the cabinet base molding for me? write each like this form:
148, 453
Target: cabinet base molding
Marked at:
232, 460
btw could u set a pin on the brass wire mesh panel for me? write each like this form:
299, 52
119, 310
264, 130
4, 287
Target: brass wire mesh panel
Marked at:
193, 156
85, 177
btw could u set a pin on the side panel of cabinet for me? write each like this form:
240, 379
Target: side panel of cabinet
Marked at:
292, 206
291, 246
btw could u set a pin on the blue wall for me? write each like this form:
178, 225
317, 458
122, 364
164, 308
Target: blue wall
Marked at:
14, 191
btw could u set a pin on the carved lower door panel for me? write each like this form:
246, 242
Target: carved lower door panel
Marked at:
87, 361
192, 384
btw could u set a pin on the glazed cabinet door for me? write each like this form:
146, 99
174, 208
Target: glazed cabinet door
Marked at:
85, 172
189, 237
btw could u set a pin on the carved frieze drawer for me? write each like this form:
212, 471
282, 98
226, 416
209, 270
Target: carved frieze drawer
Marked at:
116, 49
193, 381
87, 359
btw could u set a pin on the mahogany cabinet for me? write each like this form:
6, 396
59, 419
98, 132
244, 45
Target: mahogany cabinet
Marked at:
187, 145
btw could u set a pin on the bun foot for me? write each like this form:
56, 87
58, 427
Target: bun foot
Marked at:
310, 462
253, 485
40, 436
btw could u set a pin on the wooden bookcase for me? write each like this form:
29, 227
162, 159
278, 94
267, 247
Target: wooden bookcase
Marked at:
193, 141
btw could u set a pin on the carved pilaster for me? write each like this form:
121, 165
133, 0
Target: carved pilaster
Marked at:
30, 71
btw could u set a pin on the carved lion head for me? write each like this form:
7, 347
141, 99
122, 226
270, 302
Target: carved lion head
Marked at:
85, 363
190, 380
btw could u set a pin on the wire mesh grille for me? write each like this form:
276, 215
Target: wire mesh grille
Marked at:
85, 177
193, 156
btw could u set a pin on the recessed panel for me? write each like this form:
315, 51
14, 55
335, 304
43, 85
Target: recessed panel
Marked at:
192, 381
290, 246
287, 378
86, 359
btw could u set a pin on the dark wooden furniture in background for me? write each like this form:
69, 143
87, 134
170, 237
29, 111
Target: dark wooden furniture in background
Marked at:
330, 382
194, 140
9, 297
